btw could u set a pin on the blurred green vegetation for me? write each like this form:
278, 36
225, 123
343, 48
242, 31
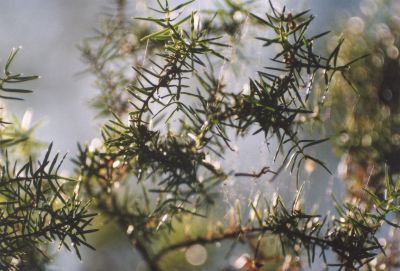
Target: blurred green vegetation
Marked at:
366, 120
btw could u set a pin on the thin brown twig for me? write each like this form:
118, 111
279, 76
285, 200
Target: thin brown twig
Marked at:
262, 172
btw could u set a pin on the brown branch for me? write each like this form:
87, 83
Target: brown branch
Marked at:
121, 6
262, 172
152, 264
206, 240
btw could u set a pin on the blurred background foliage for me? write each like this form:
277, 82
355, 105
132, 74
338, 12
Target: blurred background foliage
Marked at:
364, 122
367, 120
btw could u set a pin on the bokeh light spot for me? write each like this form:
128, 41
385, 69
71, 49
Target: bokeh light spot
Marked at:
355, 25
196, 255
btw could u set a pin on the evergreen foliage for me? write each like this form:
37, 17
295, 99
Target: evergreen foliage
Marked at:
174, 120
37, 206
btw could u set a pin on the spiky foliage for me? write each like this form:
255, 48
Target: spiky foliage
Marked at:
37, 205
158, 165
